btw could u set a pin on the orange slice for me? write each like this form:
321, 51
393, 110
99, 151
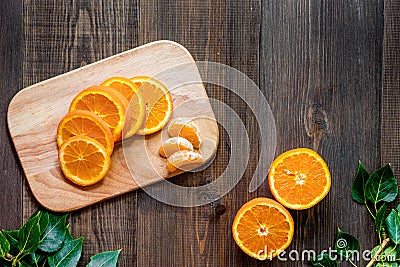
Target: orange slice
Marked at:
107, 103
263, 228
158, 103
137, 113
185, 128
82, 122
299, 178
136, 107
83, 160
123, 85
182, 159
174, 144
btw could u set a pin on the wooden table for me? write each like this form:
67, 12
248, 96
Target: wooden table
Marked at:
329, 70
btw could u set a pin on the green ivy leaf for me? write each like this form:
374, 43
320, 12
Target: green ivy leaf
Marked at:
389, 254
37, 257
29, 236
104, 259
323, 260
398, 209
68, 236
4, 245
68, 255
358, 187
54, 235
12, 237
346, 244
43, 220
381, 185
34, 259
380, 219
23, 264
393, 226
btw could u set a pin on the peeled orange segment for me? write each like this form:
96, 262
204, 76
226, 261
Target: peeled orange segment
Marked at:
158, 103
174, 144
299, 178
181, 159
123, 85
83, 160
185, 128
107, 103
263, 228
82, 122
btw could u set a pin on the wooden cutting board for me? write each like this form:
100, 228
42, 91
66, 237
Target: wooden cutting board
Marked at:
34, 113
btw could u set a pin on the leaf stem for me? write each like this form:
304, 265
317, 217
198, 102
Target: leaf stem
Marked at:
380, 238
370, 212
393, 249
375, 257
14, 262
352, 263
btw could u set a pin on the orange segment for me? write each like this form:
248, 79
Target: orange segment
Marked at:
263, 228
107, 103
123, 85
158, 103
174, 144
83, 160
299, 178
185, 128
182, 159
82, 122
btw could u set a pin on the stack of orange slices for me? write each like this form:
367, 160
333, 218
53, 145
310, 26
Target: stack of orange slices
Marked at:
104, 114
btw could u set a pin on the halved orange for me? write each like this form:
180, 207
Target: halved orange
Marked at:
299, 178
107, 103
136, 107
185, 128
263, 228
83, 122
83, 160
158, 103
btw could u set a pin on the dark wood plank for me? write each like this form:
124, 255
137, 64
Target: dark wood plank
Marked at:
390, 134
60, 36
11, 175
225, 32
321, 71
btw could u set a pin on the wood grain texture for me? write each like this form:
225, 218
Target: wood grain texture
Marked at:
321, 75
390, 133
225, 32
10, 82
34, 113
60, 36
317, 62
